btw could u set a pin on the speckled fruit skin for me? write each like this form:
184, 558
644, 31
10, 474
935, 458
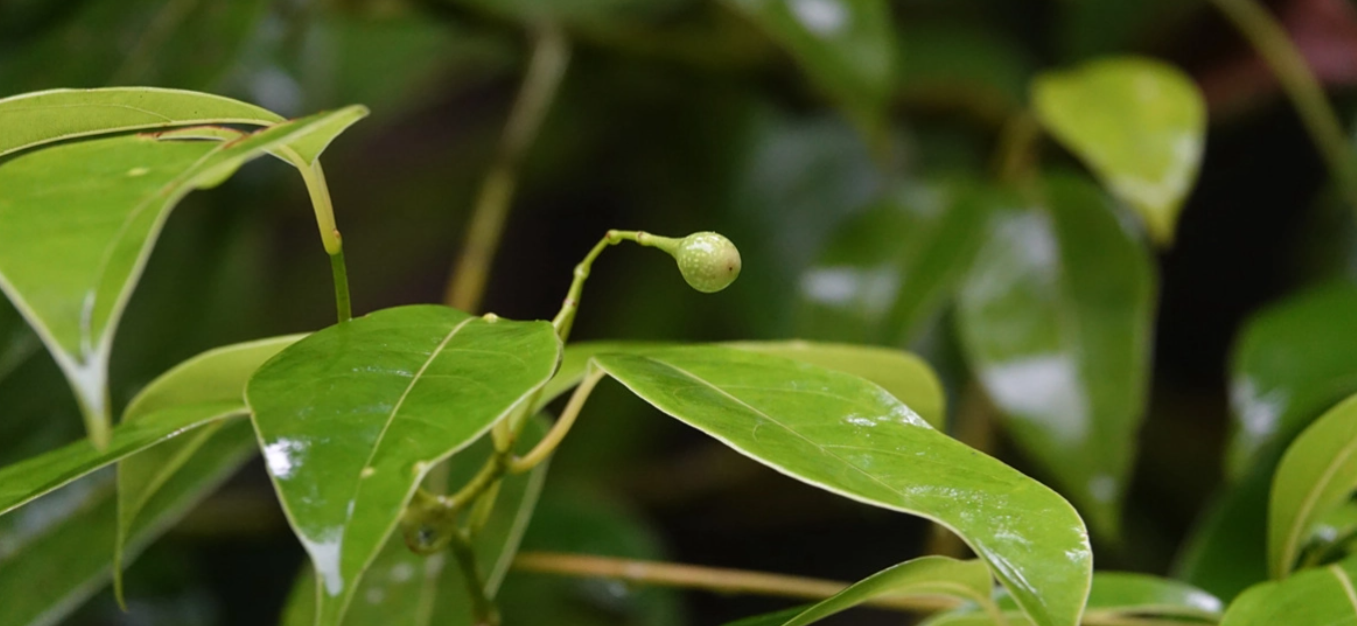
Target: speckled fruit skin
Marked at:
708, 261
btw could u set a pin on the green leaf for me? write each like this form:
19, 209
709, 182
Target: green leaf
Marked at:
211, 379
352, 418
889, 270
42, 117
1226, 552
52, 573
1319, 597
1316, 476
848, 436
1114, 596
405, 588
98, 206
1056, 320
1293, 361
963, 65
1139, 124
846, 46
904, 375
21, 482
929, 575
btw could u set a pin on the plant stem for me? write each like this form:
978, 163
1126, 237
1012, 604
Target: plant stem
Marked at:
565, 318
551, 54
720, 580
553, 438
341, 276
733, 581
1271, 42
483, 610
1017, 142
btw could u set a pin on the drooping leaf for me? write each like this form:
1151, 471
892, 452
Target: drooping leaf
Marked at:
406, 589
1316, 476
846, 46
37, 118
848, 436
1139, 124
1322, 596
929, 575
98, 206
211, 379
1056, 319
1115, 596
49, 575
353, 417
21, 482
888, 270
1292, 361
904, 375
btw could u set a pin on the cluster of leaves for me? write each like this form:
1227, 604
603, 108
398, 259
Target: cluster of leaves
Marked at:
1047, 273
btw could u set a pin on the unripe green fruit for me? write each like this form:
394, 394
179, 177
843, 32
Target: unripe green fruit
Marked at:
708, 261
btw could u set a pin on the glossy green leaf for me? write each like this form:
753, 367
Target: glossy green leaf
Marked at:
1115, 595
1293, 361
846, 46
353, 417
848, 436
1316, 597
403, 588
889, 270
211, 379
904, 375
98, 206
33, 119
929, 575
1056, 320
1139, 124
51, 573
1316, 476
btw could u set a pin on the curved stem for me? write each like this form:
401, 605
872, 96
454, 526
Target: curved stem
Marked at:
551, 54
316, 187
1271, 42
553, 438
724, 580
565, 318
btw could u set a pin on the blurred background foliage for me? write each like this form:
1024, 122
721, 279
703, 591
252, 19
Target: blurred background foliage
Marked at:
819, 135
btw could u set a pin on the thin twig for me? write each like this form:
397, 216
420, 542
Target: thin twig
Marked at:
551, 54
1271, 42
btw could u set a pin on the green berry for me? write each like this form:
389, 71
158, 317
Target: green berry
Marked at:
708, 261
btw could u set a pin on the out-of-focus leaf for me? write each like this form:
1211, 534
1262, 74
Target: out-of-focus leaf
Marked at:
33, 119
951, 65
1139, 124
169, 43
1292, 361
889, 270
214, 378
1227, 551
1056, 319
353, 417
904, 375
846, 46
52, 571
929, 575
98, 206
1114, 595
402, 588
575, 11
848, 436
1332, 533
1322, 596
1316, 476
17, 342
